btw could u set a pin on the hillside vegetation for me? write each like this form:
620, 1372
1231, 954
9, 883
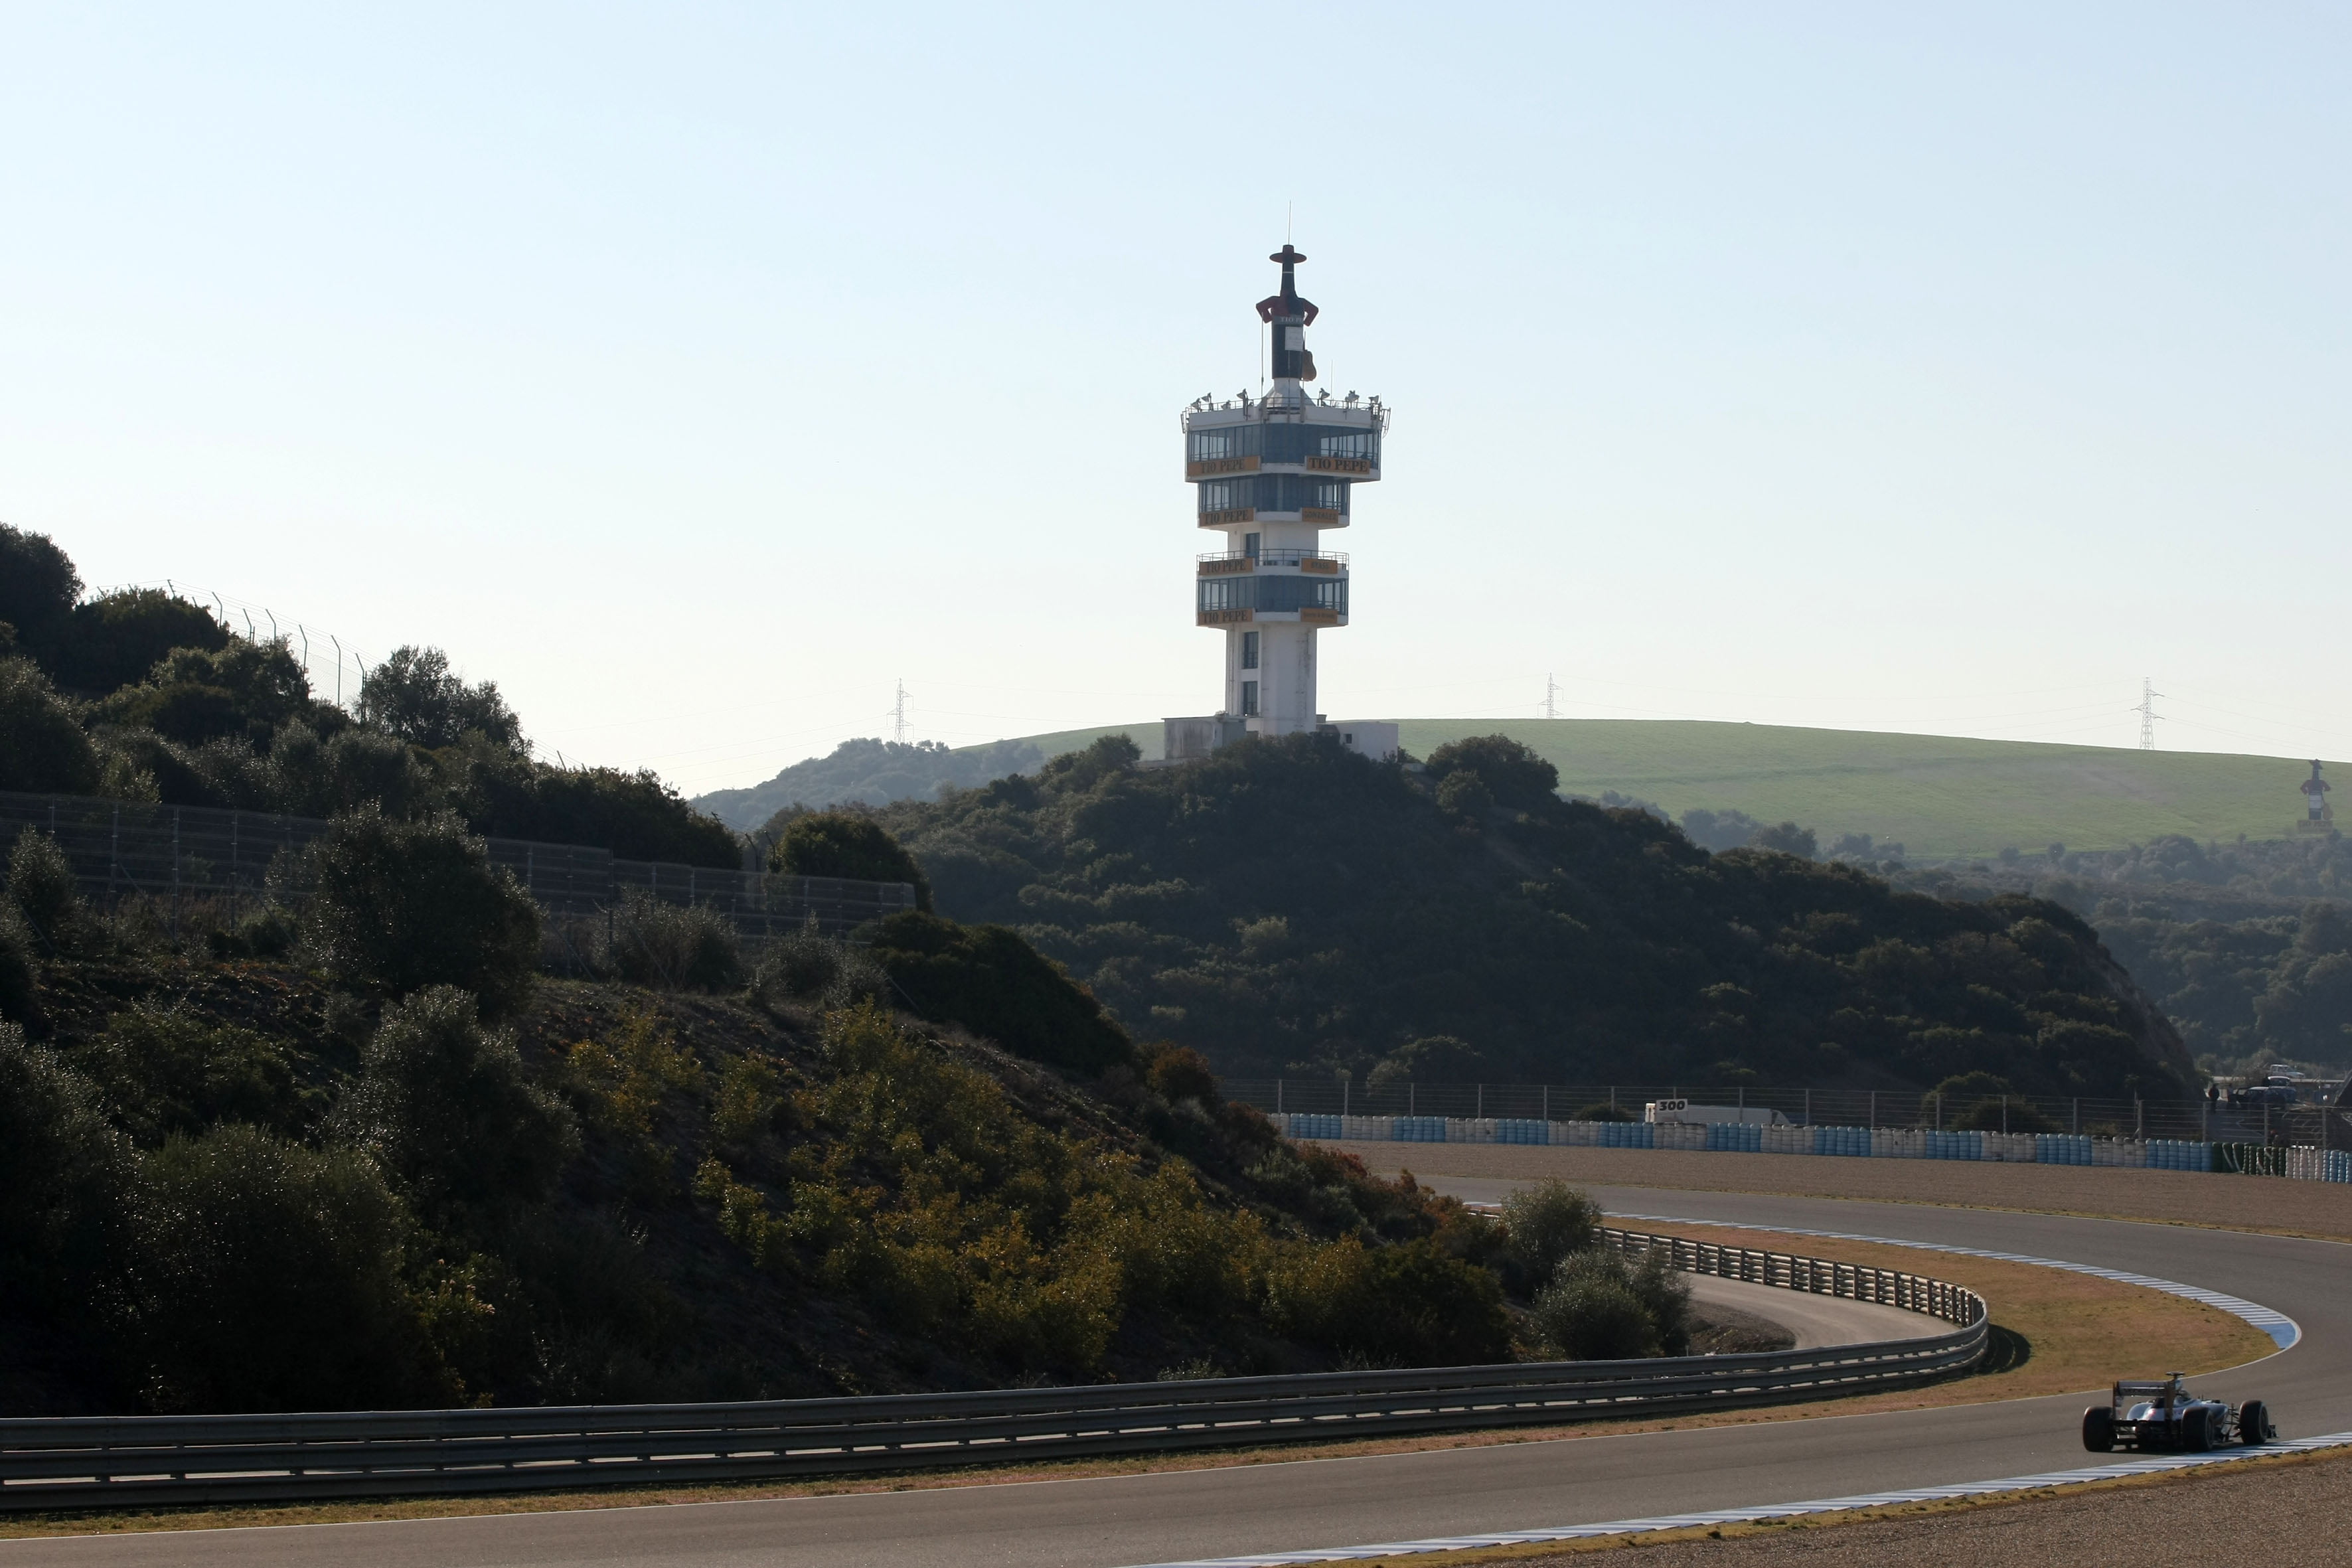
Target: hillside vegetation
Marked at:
1291, 907
868, 773
1937, 796
139, 695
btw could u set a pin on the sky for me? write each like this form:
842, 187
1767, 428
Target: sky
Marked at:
700, 373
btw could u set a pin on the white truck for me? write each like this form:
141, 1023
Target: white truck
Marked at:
1683, 1110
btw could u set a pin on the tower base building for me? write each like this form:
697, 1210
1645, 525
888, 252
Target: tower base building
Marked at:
1270, 476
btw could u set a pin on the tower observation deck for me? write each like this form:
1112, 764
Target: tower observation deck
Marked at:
1269, 476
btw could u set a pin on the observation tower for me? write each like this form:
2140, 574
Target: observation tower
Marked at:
1270, 476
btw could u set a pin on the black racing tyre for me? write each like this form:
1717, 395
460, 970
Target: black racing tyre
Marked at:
2254, 1423
2197, 1431
2099, 1429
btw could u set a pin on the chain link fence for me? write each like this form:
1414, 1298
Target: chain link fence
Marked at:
197, 867
2267, 1123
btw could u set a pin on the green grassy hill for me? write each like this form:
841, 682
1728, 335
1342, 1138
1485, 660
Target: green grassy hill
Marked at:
1938, 797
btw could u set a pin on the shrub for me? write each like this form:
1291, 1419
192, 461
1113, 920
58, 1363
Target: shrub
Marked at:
42, 748
41, 884
1180, 1072
447, 1109
271, 1278
1592, 1313
20, 993
995, 984
621, 1079
65, 1175
634, 814
846, 844
809, 966
675, 947
402, 906
1602, 1111
1600, 1308
1409, 1304
750, 1095
166, 1071
1465, 795
1548, 1223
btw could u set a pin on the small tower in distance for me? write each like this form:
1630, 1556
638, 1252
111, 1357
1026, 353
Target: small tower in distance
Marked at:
2318, 816
1269, 477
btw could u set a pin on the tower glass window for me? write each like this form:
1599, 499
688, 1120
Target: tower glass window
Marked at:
1249, 698
1249, 650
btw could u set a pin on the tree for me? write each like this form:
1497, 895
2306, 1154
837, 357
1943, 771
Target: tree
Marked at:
399, 906
242, 689
115, 639
415, 695
848, 845
1787, 838
1548, 1223
1517, 776
446, 1107
41, 747
38, 586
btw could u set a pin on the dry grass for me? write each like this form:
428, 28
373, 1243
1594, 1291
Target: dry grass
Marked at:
2265, 1204
2290, 1507
2070, 1323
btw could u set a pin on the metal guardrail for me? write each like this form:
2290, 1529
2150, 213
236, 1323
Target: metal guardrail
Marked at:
80, 1462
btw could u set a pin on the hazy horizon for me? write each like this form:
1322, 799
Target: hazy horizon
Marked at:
699, 376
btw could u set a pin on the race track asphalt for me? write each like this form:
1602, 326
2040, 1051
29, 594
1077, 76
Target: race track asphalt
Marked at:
1298, 1505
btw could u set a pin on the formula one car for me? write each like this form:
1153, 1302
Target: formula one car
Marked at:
2145, 1415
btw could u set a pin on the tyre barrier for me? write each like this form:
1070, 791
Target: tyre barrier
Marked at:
2299, 1162
84, 1462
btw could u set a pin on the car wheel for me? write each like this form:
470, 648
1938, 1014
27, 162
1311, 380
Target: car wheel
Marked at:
2254, 1423
2099, 1429
2197, 1431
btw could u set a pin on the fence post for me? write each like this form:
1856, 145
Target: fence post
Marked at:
2140, 1118
1874, 1111
1939, 1110
2004, 1116
1344, 1085
1547, 1102
1481, 1113
1613, 1097
1277, 1097
2075, 1121
1411, 1100
1808, 1107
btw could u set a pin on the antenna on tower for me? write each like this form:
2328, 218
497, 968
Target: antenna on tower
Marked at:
898, 715
1552, 694
2148, 713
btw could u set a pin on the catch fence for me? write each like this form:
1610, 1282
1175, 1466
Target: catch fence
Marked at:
2267, 1122
205, 865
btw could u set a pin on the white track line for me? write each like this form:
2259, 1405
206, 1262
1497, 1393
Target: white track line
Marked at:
1769, 1511
2281, 1328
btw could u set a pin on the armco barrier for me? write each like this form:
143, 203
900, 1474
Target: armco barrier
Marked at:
2304, 1163
79, 1462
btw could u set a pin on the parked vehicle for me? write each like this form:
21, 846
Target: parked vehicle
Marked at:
2166, 1415
1683, 1110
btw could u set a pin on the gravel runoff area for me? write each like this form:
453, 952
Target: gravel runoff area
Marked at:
2267, 1511
2270, 1204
